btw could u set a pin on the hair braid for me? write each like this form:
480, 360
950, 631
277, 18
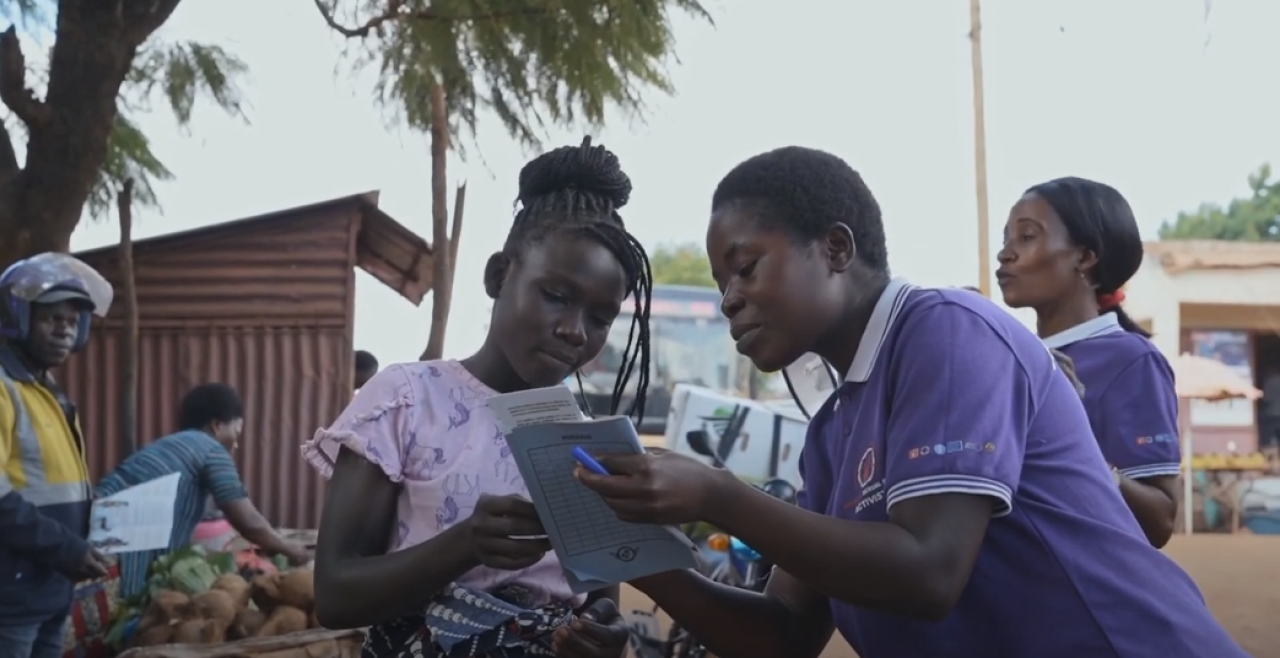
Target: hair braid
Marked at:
635, 261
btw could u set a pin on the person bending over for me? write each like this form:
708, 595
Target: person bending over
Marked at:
428, 535
212, 418
955, 502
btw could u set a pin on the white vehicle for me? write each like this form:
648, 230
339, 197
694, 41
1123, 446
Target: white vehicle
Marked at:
689, 344
758, 440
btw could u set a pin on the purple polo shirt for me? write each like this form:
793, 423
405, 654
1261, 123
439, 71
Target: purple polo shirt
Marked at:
949, 394
1129, 395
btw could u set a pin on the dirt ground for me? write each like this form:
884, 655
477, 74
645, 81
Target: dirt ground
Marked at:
1239, 575
1240, 578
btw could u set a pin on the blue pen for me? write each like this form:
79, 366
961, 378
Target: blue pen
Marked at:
588, 461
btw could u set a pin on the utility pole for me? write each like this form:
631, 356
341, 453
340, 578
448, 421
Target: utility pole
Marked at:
980, 148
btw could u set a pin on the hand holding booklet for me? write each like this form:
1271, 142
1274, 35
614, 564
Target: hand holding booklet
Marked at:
543, 427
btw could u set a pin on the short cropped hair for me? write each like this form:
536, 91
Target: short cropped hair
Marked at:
804, 192
366, 361
209, 403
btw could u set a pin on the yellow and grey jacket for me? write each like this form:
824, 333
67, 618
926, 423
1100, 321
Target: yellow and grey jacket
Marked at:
45, 497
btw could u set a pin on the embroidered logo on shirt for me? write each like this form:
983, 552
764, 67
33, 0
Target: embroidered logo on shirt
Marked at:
950, 449
871, 491
1158, 438
867, 467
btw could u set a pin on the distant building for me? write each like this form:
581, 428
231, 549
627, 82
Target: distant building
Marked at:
1221, 300
264, 304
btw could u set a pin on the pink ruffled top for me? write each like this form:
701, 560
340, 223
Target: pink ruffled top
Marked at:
427, 426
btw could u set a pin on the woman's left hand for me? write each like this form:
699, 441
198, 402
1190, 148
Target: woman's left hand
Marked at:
599, 632
667, 488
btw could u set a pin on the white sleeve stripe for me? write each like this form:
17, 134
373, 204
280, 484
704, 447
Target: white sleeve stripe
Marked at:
1152, 470
934, 485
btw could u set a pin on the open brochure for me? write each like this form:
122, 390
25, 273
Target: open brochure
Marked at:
139, 518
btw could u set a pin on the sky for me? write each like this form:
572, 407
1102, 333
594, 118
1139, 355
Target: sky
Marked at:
1143, 94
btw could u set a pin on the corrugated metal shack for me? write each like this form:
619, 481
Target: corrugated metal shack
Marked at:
264, 304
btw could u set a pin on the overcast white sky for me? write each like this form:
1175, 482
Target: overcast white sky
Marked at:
1123, 91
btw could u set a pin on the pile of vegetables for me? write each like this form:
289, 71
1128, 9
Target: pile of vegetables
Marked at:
199, 598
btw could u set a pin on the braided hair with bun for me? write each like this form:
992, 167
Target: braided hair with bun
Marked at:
579, 190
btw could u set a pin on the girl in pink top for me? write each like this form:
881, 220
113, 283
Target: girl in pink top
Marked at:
425, 533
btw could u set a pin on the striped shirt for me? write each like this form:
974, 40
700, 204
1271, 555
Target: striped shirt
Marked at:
208, 471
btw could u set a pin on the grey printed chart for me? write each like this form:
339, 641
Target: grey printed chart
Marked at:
577, 509
595, 549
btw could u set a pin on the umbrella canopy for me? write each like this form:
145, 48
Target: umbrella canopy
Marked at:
1200, 378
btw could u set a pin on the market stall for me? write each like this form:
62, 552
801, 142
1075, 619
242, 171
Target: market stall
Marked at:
1200, 378
317, 643
197, 597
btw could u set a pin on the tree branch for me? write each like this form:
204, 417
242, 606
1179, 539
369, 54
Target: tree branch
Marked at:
459, 200
392, 13
395, 12
15, 94
141, 18
8, 157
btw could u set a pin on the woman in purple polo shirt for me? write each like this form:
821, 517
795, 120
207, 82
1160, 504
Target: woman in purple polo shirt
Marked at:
1069, 246
955, 502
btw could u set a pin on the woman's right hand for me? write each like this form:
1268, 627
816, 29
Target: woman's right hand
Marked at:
297, 554
506, 533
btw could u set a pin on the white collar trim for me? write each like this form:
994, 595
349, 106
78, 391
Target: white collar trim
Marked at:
1104, 324
882, 319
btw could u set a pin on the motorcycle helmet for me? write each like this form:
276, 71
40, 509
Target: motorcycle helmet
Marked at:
780, 489
50, 278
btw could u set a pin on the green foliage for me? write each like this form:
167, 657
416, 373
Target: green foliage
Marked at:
190, 570
184, 72
532, 63
682, 264
128, 156
1255, 218
28, 12
179, 72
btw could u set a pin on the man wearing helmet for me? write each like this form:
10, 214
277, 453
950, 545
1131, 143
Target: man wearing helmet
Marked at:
45, 497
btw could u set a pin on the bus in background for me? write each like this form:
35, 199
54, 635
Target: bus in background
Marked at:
690, 344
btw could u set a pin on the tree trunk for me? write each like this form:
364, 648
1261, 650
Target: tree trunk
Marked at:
41, 202
24, 239
459, 203
442, 284
129, 356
